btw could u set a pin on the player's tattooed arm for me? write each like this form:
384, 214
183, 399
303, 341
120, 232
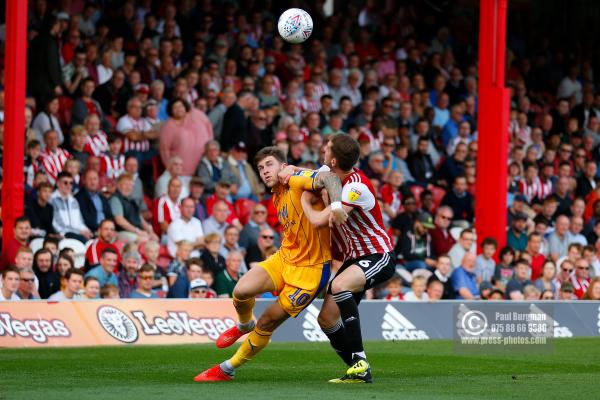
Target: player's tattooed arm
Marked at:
333, 186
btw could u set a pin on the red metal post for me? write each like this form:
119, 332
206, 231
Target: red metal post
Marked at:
15, 61
493, 115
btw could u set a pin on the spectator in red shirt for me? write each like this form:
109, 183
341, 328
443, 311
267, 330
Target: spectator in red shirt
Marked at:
106, 236
222, 193
441, 240
581, 278
21, 234
534, 245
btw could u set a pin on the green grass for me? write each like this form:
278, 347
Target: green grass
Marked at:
402, 370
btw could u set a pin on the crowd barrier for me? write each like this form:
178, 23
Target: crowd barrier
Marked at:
166, 321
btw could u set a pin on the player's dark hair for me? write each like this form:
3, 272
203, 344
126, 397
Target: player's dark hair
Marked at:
346, 151
269, 151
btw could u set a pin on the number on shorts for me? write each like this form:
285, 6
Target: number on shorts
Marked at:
364, 263
300, 300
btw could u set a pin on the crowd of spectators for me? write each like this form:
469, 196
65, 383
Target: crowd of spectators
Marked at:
143, 118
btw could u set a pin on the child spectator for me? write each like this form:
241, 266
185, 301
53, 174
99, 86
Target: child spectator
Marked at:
394, 289
504, 269
417, 293
109, 291
484, 264
177, 266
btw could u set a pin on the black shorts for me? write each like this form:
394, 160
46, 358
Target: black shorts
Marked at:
378, 268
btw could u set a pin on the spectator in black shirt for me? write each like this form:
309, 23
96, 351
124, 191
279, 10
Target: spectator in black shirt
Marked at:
459, 200
40, 212
256, 252
210, 256
442, 273
48, 279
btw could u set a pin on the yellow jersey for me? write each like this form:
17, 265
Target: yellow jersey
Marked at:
302, 244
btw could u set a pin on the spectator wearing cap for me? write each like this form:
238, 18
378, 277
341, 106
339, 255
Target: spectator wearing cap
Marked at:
248, 183
226, 280
199, 290
251, 231
213, 168
559, 240
186, 134
517, 234
441, 239
144, 279
414, 245
464, 280
235, 120
174, 169
460, 200
186, 227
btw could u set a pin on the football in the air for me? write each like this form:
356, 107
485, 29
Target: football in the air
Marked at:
295, 25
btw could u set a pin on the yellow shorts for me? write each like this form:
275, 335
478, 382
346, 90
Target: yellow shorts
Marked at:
296, 287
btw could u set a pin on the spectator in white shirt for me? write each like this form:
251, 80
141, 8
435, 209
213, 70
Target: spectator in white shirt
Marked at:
67, 219
74, 278
10, 284
187, 227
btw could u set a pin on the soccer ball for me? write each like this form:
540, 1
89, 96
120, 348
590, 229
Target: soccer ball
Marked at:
295, 25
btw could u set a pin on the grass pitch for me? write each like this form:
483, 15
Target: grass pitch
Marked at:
402, 370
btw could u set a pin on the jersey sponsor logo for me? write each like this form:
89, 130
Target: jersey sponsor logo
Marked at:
396, 326
310, 327
39, 329
354, 194
117, 324
306, 173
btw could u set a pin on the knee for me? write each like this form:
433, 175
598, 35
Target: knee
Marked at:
240, 293
325, 320
337, 285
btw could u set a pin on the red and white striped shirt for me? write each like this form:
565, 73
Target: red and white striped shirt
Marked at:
128, 124
531, 190
97, 144
363, 232
53, 163
112, 167
167, 210
309, 105
580, 286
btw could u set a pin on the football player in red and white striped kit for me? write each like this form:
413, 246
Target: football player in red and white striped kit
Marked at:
365, 248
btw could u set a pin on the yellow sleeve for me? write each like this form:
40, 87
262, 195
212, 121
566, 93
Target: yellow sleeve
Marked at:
302, 180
